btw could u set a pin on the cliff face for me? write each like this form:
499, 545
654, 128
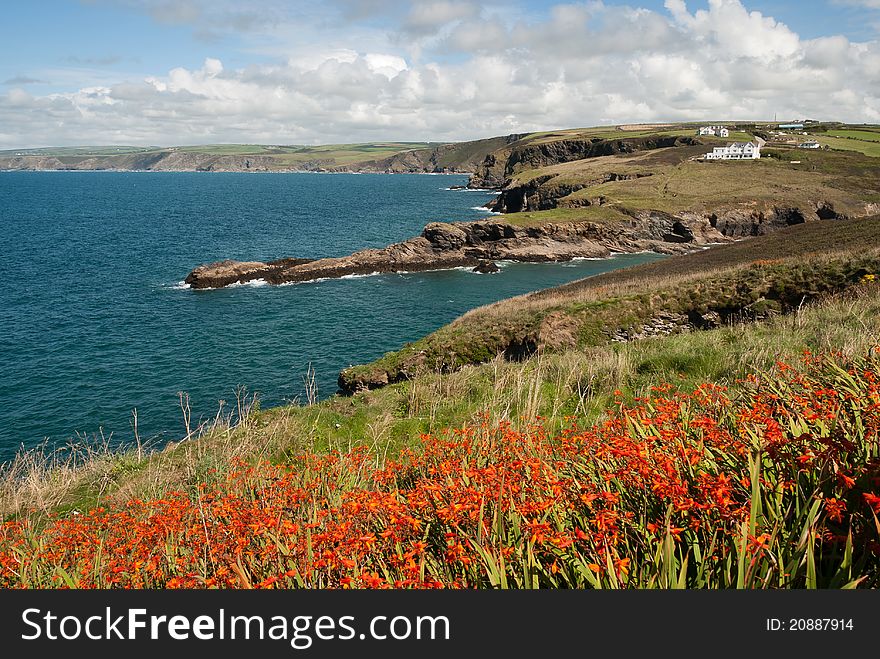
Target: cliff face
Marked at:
542, 193
168, 161
497, 168
446, 158
759, 220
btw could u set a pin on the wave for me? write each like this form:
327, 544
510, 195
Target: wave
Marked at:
361, 276
483, 209
485, 190
320, 279
253, 283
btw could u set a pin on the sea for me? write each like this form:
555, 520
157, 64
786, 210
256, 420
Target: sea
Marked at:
95, 321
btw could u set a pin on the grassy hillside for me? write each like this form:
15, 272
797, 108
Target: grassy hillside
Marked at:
221, 155
670, 180
749, 279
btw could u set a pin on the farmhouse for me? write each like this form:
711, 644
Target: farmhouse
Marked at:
718, 131
735, 151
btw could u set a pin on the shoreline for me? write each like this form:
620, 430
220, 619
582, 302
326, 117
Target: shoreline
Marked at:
476, 244
501, 263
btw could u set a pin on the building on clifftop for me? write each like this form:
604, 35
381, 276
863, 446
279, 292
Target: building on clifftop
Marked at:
717, 131
735, 151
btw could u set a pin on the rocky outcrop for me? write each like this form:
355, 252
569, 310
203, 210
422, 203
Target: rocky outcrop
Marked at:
748, 220
476, 245
486, 268
228, 272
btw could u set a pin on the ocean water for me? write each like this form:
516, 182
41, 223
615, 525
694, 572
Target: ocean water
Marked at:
94, 321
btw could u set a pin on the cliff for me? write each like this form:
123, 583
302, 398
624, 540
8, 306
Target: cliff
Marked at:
498, 167
366, 158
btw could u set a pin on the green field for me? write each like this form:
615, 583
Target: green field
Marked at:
861, 138
868, 134
79, 151
871, 149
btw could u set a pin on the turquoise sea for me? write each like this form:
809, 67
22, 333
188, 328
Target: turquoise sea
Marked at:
94, 321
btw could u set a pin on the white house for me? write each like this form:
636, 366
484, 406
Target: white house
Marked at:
735, 151
718, 131
809, 144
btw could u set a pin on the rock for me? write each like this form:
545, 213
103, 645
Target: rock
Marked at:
350, 383
486, 268
477, 245
445, 236
224, 273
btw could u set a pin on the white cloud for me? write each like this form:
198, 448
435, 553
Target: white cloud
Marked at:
481, 73
430, 16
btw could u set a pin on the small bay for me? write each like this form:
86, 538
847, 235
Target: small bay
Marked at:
94, 321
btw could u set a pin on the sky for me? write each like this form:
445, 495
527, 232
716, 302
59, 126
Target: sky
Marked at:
174, 72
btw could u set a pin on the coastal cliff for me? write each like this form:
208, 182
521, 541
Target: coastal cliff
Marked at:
497, 168
380, 158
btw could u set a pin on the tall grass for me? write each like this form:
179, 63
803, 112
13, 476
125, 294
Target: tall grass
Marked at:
773, 486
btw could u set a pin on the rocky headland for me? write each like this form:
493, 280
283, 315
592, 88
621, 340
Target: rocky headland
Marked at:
475, 245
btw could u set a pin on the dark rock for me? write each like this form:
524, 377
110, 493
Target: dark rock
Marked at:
349, 383
486, 268
445, 236
825, 211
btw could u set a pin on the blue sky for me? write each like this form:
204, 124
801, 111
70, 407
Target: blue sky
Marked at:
182, 71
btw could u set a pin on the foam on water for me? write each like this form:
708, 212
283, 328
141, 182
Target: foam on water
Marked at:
253, 283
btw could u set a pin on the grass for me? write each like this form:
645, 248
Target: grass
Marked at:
613, 132
668, 180
796, 264
868, 148
866, 135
